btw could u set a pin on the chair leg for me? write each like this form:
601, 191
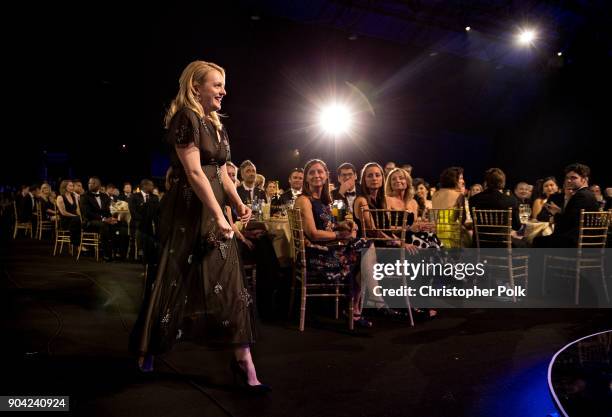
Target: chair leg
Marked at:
15, 231
603, 282
55, 248
511, 276
292, 293
303, 308
337, 303
577, 296
544, 275
351, 321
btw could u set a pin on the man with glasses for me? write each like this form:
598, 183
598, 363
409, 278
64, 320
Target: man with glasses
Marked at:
348, 190
567, 220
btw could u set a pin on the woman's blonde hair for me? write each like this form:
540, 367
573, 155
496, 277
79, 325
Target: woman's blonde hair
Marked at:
63, 186
193, 75
45, 185
409, 193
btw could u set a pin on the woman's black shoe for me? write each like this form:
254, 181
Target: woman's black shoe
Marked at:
241, 376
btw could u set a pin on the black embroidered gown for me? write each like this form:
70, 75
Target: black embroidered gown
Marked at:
198, 292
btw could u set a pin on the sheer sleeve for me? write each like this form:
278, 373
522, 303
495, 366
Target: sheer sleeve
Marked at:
184, 129
225, 139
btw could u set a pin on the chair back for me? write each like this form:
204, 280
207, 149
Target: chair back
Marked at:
593, 228
492, 228
448, 225
298, 242
384, 224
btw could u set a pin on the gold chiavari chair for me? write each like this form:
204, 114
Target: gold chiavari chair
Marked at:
315, 288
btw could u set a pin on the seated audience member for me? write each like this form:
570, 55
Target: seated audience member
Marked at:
232, 172
388, 167
271, 191
348, 189
296, 182
248, 190
69, 211
596, 190
330, 257
546, 189
522, 193
493, 198
422, 195
567, 220
450, 194
475, 189
399, 196
95, 208
47, 206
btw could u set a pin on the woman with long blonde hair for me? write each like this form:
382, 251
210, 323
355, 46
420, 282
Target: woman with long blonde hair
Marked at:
198, 291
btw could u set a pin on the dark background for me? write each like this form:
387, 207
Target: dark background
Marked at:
83, 80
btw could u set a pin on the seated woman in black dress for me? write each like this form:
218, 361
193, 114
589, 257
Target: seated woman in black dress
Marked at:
46, 202
70, 214
326, 258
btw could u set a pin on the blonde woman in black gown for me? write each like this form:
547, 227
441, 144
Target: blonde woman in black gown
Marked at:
198, 292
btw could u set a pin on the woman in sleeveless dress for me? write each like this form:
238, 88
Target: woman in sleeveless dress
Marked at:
70, 214
198, 291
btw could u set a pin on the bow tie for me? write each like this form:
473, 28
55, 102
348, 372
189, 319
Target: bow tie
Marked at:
96, 194
350, 194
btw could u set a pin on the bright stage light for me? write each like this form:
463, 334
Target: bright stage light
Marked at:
467, 28
559, 53
335, 119
526, 37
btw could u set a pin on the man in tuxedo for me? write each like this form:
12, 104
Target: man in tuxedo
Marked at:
126, 193
112, 192
95, 209
493, 198
347, 191
247, 190
567, 219
296, 181
78, 188
144, 213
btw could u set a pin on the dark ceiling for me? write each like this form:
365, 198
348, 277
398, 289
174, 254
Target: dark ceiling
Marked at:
104, 73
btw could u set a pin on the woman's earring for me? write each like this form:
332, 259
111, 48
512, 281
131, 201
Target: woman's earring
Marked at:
198, 97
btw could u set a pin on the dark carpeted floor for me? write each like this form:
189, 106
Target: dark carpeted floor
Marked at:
65, 327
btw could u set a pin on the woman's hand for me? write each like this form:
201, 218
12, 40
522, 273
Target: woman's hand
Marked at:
244, 212
224, 230
411, 249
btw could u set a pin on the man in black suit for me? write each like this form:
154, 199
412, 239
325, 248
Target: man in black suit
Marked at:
296, 181
126, 193
567, 219
247, 190
26, 203
144, 213
348, 190
493, 198
95, 209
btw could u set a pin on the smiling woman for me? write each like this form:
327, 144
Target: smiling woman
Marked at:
199, 290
